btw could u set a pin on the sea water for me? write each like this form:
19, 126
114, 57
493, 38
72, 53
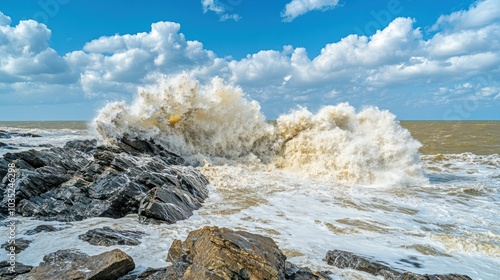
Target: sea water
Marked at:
341, 178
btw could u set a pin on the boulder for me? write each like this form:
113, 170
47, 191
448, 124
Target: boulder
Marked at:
19, 245
220, 253
84, 180
343, 259
108, 237
72, 264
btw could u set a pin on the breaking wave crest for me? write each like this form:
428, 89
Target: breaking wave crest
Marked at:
216, 123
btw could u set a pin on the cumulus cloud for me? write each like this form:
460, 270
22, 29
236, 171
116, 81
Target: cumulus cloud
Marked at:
128, 59
479, 14
219, 8
299, 7
26, 55
458, 62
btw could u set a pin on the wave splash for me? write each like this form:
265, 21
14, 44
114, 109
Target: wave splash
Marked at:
216, 123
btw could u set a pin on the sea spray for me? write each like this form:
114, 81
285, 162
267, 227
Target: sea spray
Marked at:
369, 147
215, 123
212, 122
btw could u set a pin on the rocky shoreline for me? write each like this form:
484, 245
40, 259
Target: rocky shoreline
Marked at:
84, 179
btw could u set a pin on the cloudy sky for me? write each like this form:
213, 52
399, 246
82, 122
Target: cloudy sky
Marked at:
64, 59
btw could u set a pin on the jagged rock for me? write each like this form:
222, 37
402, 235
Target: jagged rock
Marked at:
343, 259
107, 237
71, 264
85, 180
220, 253
19, 245
7, 272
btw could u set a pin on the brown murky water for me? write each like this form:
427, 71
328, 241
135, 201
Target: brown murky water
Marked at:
455, 137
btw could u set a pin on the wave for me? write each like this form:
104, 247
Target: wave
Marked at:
217, 123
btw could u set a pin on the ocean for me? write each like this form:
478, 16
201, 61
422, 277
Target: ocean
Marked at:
422, 196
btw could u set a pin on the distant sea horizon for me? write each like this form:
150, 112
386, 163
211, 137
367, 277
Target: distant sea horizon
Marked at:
480, 137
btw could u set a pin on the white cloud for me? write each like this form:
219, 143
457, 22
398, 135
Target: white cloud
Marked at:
4, 20
478, 15
260, 68
397, 62
128, 59
25, 53
299, 7
220, 9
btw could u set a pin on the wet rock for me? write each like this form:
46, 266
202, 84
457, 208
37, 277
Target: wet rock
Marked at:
19, 245
293, 272
71, 264
65, 255
42, 228
343, 259
6, 134
156, 274
220, 253
107, 237
7, 272
84, 180
414, 276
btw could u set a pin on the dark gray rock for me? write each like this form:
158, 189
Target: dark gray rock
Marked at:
6, 134
19, 245
414, 276
71, 264
107, 237
343, 259
66, 255
9, 272
42, 228
85, 180
293, 272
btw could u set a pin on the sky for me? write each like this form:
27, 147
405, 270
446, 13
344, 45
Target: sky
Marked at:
421, 60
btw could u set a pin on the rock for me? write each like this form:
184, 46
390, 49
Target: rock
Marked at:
6, 134
7, 274
343, 259
66, 255
84, 180
41, 228
293, 272
19, 246
220, 253
414, 276
71, 264
107, 237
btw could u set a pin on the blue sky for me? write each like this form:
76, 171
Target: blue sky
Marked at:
64, 59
